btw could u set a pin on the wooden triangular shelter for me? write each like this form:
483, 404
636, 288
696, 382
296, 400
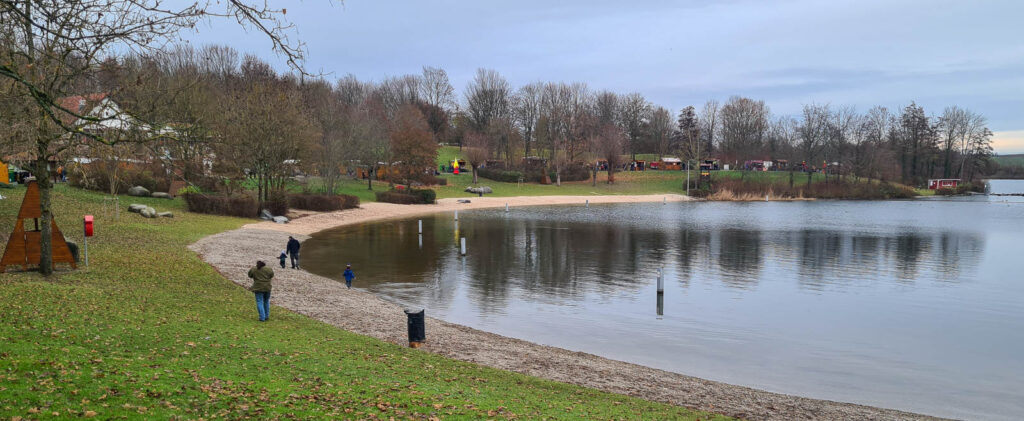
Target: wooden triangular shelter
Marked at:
23, 247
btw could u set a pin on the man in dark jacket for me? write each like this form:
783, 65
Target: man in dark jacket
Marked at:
261, 276
293, 251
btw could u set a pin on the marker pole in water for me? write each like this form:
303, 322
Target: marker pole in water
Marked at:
463, 246
456, 214
506, 207
420, 223
588, 203
661, 281
664, 200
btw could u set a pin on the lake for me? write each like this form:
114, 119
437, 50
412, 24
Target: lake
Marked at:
914, 305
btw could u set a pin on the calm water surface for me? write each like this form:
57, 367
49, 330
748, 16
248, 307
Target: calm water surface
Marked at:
915, 305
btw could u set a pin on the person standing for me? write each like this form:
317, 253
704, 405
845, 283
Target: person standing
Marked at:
349, 276
261, 276
283, 257
293, 251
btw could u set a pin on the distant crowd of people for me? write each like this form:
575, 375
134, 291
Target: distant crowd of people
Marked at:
262, 276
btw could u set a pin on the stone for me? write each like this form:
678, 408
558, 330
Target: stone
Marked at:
462, 201
161, 195
479, 190
138, 191
280, 219
137, 208
266, 215
166, 214
148, 212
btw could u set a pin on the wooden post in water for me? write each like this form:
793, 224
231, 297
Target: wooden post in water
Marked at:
463, 246
661, 281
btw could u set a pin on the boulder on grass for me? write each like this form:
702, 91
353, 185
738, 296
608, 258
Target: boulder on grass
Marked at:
266, 215
166, 214
161, 195
136, 208
148, 212
138, 191
281, 219
479, 190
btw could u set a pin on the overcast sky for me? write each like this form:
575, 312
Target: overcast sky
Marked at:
788, 53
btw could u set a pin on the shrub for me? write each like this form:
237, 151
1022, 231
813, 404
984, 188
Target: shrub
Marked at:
322, 202
239, 205
573, 172
95, 176
432, 180
945, 191
276, 203
500, 175
412, 197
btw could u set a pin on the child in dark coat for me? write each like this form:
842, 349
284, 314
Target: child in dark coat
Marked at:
284, 258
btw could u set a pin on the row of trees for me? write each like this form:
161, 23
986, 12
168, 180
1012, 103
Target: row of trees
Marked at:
568, 123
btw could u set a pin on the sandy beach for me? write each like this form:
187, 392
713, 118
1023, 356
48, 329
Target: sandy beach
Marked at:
232, 253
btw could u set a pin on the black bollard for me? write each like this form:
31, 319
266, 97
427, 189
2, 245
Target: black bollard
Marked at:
417, 327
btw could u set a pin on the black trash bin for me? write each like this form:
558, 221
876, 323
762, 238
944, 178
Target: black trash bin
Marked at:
417, 327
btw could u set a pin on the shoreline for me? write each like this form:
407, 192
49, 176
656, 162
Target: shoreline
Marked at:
231, 253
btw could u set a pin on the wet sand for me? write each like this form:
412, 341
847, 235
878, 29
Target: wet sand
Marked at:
232, 253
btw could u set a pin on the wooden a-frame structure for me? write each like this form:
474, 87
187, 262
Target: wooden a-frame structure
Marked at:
23, 247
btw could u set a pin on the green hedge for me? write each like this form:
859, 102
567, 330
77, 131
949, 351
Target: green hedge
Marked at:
322, 202
500, 175
410, 197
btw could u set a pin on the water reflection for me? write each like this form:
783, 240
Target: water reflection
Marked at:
857, 287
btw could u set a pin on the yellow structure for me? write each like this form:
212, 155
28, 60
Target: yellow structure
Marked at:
4, 177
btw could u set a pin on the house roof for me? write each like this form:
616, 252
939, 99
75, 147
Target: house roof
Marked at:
81, 104
671, 160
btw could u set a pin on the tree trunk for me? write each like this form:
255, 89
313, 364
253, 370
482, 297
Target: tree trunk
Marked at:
42, 175
595, 177
475, 180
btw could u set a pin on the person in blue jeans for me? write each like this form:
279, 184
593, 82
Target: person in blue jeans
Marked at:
261, 276
349, 276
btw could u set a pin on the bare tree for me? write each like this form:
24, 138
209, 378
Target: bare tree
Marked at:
813, 131
526, 106
709, 124
478, 149
487, 97
610, 144
634, 111
435, 89
744, 124
53, 45
412, 143
660, 129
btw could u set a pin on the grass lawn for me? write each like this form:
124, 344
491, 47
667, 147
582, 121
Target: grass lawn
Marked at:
150, 331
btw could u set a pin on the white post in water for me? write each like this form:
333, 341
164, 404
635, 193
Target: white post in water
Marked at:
588, 203
661, 281
506, 207
421, 241
420, 223
456, 214
664, 200
463, 246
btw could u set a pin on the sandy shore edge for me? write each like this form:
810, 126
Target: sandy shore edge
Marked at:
233, 252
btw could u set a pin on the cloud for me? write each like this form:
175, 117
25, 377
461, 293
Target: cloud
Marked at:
1008, 142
